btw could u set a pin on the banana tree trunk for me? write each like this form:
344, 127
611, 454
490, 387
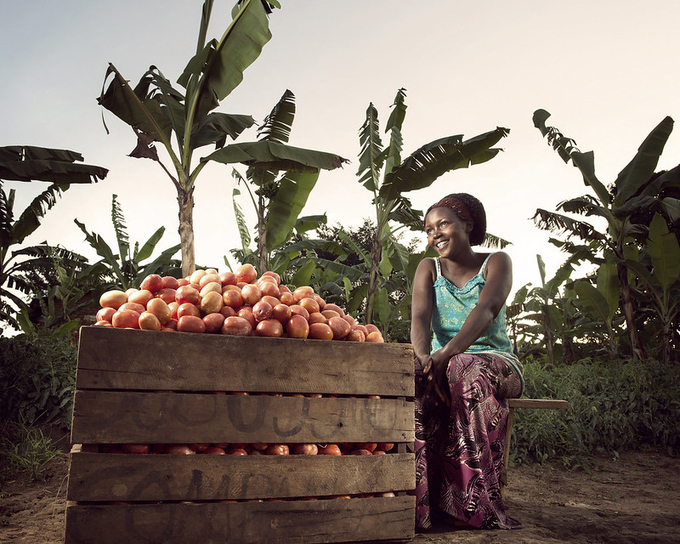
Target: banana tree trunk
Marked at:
376, 256
262, 256
628, 307
185, 199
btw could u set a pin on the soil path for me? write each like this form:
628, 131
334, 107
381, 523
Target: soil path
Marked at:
634, 499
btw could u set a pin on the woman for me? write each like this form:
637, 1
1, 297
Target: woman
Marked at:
465, 370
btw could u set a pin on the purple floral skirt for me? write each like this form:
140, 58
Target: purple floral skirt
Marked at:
459, 449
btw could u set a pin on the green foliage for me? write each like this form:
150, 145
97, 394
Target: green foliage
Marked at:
613, 406
26, 449
37, 378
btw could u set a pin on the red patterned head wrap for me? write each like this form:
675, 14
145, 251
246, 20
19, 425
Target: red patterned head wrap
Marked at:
468, 208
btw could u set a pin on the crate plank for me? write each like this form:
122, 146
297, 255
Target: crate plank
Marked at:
149, 360
102, 417
284, 522
105, 477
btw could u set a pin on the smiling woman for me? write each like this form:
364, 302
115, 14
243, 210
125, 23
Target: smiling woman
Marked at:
465, 370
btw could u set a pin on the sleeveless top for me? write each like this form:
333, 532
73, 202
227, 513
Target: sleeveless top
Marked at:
453, 304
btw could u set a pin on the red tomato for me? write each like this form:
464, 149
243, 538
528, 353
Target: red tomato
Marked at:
149, 322
262, 310
305, 449
375, 337
210, 278
269, 327
237, 451
297, 327
339, 326
309, 304
228, 278
361, 328
304, 291
385, 446
330, 313
286, 298
237, 326
182, 281
105, 314
213, 286
135, 307
246, 273
330, 449
232, 298
103, 323
173, 308
213, 322
355, 335
212, 302
172, 325
335, 308
362, 452
178, 449
251, 294
371, 328
317, 317
199, 447
138, 449
227, 311
143, 296
187, 293
352, 322
187, 308
370, 446
196, 276
170, 283
281, 312
296, 309
153, 282
160, 309
269, 288
167, 294
272, 274
379, 452
125, 319
321, 302
320, 331
190, 323
246, 312
277, 449
213, 450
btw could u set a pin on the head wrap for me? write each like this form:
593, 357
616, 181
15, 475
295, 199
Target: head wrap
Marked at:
457, 205
468, 208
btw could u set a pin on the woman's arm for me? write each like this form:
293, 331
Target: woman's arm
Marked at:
422, 303
491, 300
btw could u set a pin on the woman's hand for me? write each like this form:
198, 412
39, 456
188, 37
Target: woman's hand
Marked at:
436, 382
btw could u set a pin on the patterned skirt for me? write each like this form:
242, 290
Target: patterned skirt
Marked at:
459, 449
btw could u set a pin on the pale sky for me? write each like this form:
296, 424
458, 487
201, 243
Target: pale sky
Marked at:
606, 70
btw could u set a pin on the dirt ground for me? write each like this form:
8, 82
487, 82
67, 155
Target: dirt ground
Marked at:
634, 498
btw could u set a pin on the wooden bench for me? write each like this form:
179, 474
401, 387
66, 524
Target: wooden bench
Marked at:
542, 404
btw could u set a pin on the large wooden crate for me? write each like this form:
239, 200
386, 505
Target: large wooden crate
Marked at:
161, 388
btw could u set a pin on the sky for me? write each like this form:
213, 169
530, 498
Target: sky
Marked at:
606, 70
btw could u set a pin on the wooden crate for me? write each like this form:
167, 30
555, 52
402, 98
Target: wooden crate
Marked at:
161, 388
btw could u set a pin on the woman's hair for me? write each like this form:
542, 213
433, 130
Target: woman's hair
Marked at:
468, 208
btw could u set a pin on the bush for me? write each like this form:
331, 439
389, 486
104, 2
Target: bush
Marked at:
26, 449
37, 378
613, 406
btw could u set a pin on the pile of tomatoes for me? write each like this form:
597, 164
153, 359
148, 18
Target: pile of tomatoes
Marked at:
232, 303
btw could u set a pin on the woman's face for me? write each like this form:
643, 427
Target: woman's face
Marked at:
446, 232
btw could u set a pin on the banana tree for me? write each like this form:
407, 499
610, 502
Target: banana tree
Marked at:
60, 168
279, 197
159, 113
386, 176
125, 268
637, 192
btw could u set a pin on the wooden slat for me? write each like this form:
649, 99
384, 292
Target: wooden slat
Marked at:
148, 360
548, 404
287, 522
105, 417
121, 477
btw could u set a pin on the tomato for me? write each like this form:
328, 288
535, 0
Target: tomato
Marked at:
188, 308
105, 314
213, 323
213, 286
135, 307
171, 325
309, 304
352, 322
371, 328
286, 298
160, 309
277, 449
317, 317
330, 449
167, 294
269, 327
125, 319
190, 323
335, 308
232, 298
281, 312
375, 337
370, 446
246, 312
178, 449
174, 306
361, 328
102, 323
246, 273
187, 293
237, 326
169, 283
141, 297
199, 447
329, 313
237, 451
385, 446
258, 447
321, 302
213, 450
153, 282
296, 309
149, 322
361, 452
139, 449
196, 276
251, 294
355, 335
305, 449
210, 278
297, 327
303, 292
269, 288
271, 274
181, 282
227, 311
340, 327
212, 302
262, 310
113, 299
320, 331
